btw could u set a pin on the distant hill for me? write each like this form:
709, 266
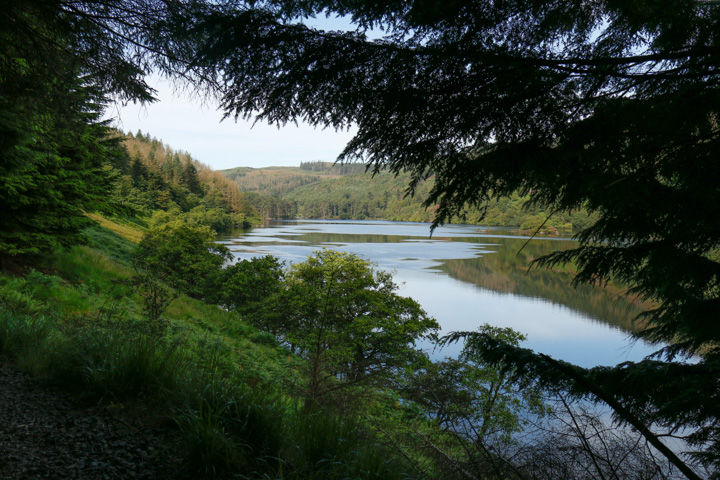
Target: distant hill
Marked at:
363, 196
326, 190
278, 181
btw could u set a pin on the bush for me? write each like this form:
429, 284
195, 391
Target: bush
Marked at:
186, 257
249, 286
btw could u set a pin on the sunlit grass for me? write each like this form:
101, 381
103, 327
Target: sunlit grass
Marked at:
133, 233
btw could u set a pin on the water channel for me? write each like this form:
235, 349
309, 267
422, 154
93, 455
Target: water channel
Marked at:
465, 275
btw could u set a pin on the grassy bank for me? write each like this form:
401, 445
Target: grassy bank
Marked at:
237, 404
223, 387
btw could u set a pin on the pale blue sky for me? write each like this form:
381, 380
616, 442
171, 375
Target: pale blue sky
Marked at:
194, 126
189, 125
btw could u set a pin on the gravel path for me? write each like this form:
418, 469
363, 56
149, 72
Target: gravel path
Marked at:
46, 433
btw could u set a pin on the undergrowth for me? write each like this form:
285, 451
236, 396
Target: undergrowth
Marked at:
219, 382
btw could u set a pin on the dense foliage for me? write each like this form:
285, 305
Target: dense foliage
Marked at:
608, 106
155, 177
60, 62
54, 154
184, 256
350, 324
335, 311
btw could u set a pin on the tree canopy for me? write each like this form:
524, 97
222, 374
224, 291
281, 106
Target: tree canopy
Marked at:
336, 311
608, 106
611, 106
183, 255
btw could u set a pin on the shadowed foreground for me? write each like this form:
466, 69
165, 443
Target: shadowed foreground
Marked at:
45, 433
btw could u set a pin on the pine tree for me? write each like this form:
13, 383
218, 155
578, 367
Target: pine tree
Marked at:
189, 178
59, 62
55, 166
608, 106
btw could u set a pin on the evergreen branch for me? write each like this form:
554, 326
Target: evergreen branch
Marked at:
526, 364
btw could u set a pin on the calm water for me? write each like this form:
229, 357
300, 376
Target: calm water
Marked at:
465, 276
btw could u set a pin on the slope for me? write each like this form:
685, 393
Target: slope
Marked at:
326, 190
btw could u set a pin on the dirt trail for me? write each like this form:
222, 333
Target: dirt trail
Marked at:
46, 433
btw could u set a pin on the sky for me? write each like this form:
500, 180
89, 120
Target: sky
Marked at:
194, 126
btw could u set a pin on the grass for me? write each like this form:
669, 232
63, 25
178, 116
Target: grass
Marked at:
219, 382
20, 337
131, 230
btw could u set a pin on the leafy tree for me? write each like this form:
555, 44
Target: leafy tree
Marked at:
254, 288
477, 402
349, 323
184, 256
610, 106
477, 407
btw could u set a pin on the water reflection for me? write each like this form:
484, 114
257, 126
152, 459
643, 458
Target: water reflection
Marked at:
464, 276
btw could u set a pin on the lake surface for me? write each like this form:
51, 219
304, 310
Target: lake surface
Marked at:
465, 275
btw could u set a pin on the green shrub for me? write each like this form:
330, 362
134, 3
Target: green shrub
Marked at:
327, 447
184, 257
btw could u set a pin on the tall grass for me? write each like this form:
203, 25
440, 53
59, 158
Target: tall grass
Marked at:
225, 426
83, 265
118, 366
229, 427
23, 338
215, 378
329, 446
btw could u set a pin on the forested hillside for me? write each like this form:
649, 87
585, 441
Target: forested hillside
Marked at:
152, 176
326, 190
278, 181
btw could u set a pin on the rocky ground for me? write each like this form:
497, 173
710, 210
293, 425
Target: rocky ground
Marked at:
46, 433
